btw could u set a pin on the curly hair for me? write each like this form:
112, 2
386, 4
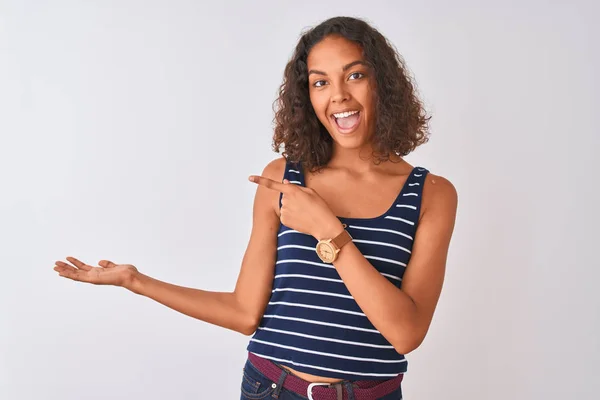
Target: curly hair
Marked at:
401, 122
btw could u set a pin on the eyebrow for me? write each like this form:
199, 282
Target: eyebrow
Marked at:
344, 68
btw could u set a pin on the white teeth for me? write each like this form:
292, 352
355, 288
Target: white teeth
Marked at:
345, 114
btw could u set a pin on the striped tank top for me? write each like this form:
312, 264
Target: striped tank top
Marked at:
312, 324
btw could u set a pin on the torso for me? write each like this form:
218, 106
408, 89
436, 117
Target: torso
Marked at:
359, 197
346, 195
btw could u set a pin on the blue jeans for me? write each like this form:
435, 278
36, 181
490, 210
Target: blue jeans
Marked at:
255, 386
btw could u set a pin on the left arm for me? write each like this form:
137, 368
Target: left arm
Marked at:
403, 316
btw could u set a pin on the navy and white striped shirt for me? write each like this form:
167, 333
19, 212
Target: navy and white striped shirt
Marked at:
312, 323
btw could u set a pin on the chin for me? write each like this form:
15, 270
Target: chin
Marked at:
350, 143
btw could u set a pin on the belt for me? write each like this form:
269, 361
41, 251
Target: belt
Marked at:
362, 390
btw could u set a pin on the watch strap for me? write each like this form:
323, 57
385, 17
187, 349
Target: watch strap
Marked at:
340, 240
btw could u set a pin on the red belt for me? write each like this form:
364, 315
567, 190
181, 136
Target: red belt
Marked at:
363, 390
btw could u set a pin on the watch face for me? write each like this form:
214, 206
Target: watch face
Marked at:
325, 252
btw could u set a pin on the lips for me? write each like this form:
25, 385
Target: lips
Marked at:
348, 124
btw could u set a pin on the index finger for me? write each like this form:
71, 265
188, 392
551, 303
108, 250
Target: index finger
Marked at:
79, 264
270, 183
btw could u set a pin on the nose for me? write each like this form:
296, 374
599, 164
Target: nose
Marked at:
339, 94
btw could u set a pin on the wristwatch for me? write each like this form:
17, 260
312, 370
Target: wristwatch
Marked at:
328, 249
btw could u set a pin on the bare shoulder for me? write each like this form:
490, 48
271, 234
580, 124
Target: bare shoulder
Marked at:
275, 169
439, 195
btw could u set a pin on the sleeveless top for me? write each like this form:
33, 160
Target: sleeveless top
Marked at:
312, 324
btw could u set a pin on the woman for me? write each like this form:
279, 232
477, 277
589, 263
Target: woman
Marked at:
347, 254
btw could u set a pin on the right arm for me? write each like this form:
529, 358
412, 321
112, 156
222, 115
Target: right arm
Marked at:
240, 310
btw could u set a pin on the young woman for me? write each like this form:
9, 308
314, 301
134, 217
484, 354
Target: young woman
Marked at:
347, 254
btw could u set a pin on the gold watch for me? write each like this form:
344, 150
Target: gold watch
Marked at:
328, 249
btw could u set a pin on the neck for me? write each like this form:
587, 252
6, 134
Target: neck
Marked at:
357, 160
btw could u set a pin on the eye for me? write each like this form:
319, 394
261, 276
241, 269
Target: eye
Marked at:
356, 75
319, 83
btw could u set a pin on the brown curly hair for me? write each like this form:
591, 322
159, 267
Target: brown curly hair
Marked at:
401, 122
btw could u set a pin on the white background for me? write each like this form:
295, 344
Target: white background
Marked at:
128, 130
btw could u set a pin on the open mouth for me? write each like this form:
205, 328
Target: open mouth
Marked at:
346, 122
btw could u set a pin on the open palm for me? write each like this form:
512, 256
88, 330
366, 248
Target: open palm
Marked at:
108, 273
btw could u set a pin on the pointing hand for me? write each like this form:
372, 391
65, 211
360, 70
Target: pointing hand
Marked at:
302, 208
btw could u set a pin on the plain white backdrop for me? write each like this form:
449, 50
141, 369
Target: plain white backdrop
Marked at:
129, 128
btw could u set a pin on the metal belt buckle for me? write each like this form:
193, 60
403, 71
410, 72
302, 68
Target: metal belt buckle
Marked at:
311, 386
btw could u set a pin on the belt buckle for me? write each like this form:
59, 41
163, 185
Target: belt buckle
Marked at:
310, 388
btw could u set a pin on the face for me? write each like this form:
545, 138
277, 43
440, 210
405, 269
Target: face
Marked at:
341, 89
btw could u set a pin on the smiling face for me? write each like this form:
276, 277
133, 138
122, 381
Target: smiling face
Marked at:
341, 90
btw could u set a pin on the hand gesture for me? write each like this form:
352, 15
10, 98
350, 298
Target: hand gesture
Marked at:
108, 273
302, 208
